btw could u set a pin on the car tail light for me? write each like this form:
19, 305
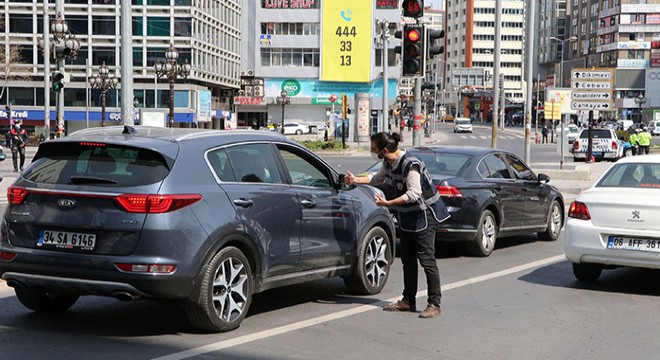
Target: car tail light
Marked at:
147, 268
576, 145
7, 256
579, 211
156, 204
16, 194
615, 145
92, 144
449, 191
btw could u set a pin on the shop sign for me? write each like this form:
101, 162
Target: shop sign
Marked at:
15, 114
291, 86
245, 100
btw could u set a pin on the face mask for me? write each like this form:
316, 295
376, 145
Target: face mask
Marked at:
377, 156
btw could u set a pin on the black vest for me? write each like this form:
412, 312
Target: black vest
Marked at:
412, 216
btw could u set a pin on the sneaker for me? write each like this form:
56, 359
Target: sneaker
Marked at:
431, 311
400, 305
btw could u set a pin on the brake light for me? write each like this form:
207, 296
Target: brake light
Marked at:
16, 194
92, 144
576, 145
147, 268
579, 211
449, 191
156, 204
7, 256
614, 145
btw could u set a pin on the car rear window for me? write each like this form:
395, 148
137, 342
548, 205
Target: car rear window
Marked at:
596, 134
443, 163
638, 175
97, 164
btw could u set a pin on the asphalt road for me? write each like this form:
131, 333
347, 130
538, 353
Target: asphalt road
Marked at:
522, 302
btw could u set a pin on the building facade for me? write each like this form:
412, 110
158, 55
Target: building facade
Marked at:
207, 34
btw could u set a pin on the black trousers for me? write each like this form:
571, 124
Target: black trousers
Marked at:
17, 152
420, 246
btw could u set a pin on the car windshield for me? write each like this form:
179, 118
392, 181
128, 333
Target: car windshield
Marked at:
635, 175
573, 129
98, 164
463, 122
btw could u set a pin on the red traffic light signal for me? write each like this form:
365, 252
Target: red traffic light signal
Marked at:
413, 8
413, 50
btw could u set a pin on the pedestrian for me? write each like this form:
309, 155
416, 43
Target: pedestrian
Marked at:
644, 139
409, 192
544, 132
16, 140
634, 145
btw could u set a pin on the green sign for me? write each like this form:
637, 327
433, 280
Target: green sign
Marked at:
325, 101
291, 86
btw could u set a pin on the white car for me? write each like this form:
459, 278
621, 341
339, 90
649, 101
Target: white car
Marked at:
462, 125
604, 145
295, 128
571, 132
615, 222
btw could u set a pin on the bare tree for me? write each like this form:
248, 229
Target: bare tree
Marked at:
10, 59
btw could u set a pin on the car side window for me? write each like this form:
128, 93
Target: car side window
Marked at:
302, 171
219, 162
494, 168
254, 163
520, 170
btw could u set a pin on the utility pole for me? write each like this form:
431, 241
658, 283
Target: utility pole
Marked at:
126, 64
417, 113
530, 45
496, 71
46, 72
385, 34
59, 9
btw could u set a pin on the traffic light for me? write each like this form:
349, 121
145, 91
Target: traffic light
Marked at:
413, 50
431, 37
413, 8
58, 81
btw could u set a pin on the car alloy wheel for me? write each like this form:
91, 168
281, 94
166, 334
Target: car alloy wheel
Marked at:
484, 243
373, 263
555, 223
298, 132
225, 292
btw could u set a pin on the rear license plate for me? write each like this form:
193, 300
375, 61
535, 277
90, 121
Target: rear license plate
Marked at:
627, 243
66, 240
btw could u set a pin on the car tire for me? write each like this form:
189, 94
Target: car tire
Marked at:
41, 300
484, 243
225, 292
298, 132
627, 153
373, 263
555, 223
587, 272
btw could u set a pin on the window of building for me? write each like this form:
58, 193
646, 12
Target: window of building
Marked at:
391, 57
20, 23
290, 57
81, 59
137, 26
182, 2
78, 24
158, 2
182, 26
103, 25
101, 54
158, 26
21, 96
75, 97
137, 57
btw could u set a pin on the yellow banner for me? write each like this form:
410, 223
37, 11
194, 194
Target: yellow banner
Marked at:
552, 110
346, 40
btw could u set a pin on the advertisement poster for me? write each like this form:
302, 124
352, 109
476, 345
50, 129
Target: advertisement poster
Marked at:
362, 118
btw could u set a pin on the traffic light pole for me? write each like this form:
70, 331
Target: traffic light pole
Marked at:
385, 34
46, 72
417, 113
59, 9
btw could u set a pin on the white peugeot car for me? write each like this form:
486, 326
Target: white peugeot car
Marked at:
615, 222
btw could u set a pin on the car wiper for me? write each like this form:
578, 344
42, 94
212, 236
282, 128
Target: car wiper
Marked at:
91, 180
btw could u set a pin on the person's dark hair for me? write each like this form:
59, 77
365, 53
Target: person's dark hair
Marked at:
387, 141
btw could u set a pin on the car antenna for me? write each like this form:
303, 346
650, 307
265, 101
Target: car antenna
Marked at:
129, 130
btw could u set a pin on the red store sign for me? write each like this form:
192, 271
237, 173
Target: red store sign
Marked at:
244, 100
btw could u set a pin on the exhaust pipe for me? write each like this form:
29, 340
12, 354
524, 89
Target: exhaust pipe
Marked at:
126, 296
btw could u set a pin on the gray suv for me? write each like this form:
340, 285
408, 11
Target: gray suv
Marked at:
204, 217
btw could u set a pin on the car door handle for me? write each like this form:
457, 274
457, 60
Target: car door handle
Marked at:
308, 203
243, 203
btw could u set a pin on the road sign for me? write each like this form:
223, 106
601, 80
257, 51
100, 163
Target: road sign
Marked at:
591, 105
592, 89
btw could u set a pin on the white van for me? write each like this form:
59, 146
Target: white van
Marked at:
462, 125
654, 127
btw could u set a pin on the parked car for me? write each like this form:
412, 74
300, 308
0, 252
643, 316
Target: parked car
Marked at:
604, 145
207, 218
490, 194
624, 124
654, 128
295, 128
2, 154
604, 232
462, 125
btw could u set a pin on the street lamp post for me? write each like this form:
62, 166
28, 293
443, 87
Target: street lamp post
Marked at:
172, 71
103, 81
640, 100
561, 62
283, 100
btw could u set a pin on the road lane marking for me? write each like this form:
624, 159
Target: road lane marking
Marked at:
345, 313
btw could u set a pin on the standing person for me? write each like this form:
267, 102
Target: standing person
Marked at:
409, 192
644, 139
16, 139
634, 145
544, 132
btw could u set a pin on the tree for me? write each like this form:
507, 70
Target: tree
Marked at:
10, 60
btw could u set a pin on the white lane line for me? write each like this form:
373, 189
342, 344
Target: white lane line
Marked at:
342, 314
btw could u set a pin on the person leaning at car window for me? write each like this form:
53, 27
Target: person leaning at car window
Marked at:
410, 193
644, 139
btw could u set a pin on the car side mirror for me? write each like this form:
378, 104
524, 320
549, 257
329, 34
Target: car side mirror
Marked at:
341, 185
543, 178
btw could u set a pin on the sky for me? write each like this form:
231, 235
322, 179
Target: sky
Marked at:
433, 3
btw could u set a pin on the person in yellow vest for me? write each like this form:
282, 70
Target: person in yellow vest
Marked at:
633, 141
644, 139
